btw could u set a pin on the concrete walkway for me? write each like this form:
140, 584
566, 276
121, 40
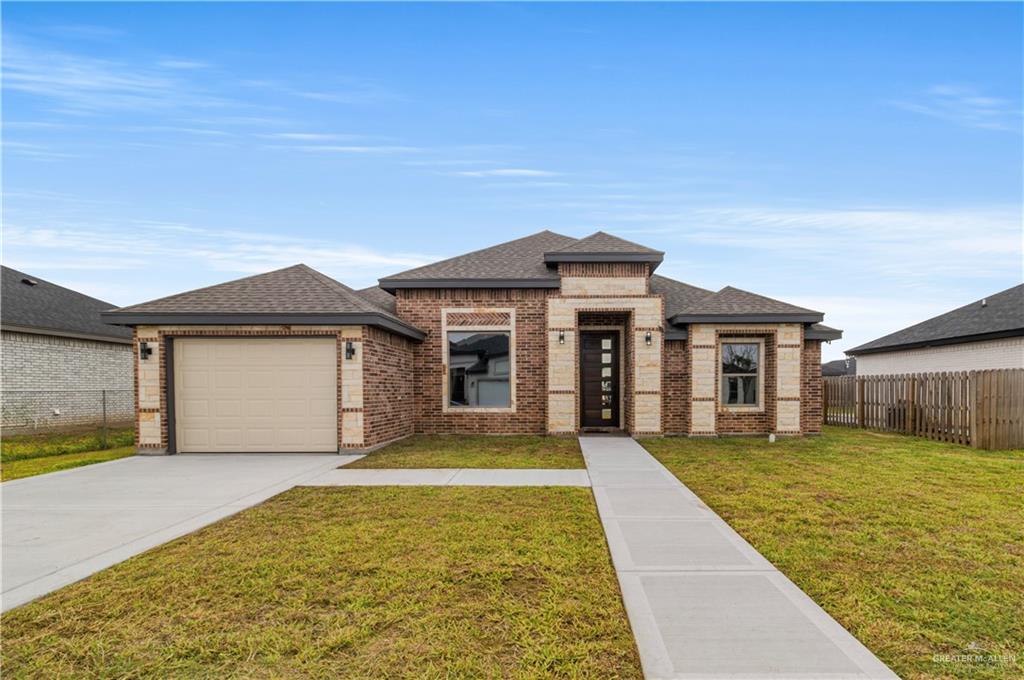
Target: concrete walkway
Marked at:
702, 602
450, 477
63, 526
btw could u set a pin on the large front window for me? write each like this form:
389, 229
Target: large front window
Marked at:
741, 371
479, 373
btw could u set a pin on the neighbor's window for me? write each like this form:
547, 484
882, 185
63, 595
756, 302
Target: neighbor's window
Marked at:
741, 364
478, 369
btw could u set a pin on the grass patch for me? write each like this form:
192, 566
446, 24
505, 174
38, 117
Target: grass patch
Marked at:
36, 454
916, 547
476, 451
25, 446
376, 582
29, 467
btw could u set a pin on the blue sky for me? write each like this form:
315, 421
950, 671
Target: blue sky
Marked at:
864, 160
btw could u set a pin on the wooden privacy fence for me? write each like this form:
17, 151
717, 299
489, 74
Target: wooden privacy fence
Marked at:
984, 409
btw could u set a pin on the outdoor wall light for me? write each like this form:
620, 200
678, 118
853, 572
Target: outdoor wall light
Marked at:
647, 338
144, 351
350, 349
561, 337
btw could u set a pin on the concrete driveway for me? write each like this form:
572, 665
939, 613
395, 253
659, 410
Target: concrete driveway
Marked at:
61, 527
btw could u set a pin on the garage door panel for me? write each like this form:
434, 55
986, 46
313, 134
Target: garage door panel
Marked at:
256, 394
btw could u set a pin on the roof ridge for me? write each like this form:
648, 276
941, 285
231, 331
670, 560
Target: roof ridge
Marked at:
335, 286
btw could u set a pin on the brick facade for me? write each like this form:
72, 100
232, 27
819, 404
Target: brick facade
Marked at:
56, 382
394, 386
423, 309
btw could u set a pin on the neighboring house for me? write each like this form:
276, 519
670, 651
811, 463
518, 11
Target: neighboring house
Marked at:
839, 367
58, 356
546, 334
988, 333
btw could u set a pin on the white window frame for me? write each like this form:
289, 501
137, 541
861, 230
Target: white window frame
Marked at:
509, 328
742, 408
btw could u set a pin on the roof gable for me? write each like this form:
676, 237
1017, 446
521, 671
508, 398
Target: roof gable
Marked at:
1001, 314
45, 306
518, 263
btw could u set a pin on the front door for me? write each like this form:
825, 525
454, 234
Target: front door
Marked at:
599, 379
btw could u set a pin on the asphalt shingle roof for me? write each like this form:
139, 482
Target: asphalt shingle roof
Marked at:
735, 302
47, 306
678, 295
518, 260
1002, 313
380, 297
293, 290
602, 243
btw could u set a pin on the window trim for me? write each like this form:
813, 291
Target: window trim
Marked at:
741, 408
509, 328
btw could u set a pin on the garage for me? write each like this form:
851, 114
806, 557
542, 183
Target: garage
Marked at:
252, 395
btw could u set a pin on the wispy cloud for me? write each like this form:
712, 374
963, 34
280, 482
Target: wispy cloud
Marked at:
37, 152
965, 106
355, 149
70, 244
81, 84
341, 91
312, 136
507, 172
182, 64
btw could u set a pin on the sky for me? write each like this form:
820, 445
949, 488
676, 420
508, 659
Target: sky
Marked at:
864, 160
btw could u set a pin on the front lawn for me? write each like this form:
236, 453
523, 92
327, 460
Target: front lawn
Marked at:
36, 454
350, 582
916, 547
476, 451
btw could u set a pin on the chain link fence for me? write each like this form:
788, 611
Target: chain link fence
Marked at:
30, 411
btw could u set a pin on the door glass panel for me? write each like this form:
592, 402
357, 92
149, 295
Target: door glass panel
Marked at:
606, 372
606, 343
606, 385
606, 414
606, 400
606, 358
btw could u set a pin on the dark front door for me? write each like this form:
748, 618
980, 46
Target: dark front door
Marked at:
599, 379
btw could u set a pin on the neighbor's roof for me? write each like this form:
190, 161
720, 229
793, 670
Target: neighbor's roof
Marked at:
999, 315
733, 304
296, 294
48, 309
836, 367
515, 264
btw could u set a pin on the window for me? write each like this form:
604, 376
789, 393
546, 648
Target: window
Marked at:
741, 373
479, 373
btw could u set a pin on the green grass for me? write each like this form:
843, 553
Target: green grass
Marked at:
36, 454
476, 451
916, 547
29, 467
426, 582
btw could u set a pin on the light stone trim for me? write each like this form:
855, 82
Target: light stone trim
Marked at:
706, 373
563, 375
604, 285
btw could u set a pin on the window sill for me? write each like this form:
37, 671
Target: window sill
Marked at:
472, 409
741, 409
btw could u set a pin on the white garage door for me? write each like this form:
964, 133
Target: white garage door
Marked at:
255, 394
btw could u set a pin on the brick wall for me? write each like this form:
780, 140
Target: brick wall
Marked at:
422, 308
389, 403
675, 388
811, 393
52, 383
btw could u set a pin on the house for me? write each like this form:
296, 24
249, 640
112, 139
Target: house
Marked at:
988, 333
58, 357
545, 334
838, 367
